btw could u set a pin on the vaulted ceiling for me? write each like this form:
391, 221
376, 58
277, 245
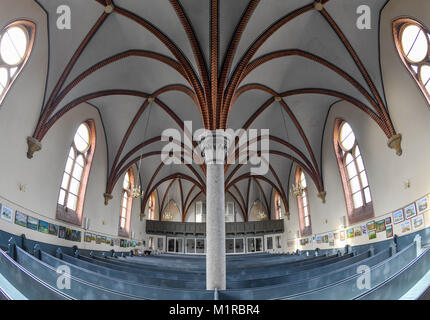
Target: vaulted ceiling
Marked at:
149, 65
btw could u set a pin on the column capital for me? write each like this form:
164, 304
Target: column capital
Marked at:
214, 144
34, 145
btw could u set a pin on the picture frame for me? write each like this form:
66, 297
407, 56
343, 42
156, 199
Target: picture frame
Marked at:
406, 226
388, 220
6, 213
418, 222
43, 227
342, 235
21, 219
87, 237
53, 229
380, 225
62, 232
422, 204
363, 229
372, 234
371, 225
68, 234
350, 233
32, 223
389, 231
410, 211
98, 239
398, 216
357, 232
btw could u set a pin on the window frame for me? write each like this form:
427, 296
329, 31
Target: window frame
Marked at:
305, 230
64, 213
399, 25
30, 31
366, 211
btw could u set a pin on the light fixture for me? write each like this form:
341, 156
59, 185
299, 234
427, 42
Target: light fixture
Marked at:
297, 189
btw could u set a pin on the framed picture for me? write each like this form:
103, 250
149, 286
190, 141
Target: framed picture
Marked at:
398, 216
98, 239
6, 213
363, 229
336, 235
418, 222
372, 234
318, 240
387, 220
410, 211
21, 219
43, 226
371, 225
103, 239
422, 205
389, 231
380, 225
357, 231
406, 226
32, 223
53, 229
76, 235
87, 237
326, 238
68, 234
93, 237
350, 233
342, 235
62, 232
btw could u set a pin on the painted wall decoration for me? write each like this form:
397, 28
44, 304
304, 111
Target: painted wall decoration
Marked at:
21, 219
6, 213
422, 204
398, 216
410, 211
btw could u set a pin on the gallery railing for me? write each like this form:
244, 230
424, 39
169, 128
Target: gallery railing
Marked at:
199, 229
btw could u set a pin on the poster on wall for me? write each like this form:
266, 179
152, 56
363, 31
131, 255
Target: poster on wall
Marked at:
76, 236
43, 226
363, 229
372, 234
93, 237
32, 223
318, 239
380, 225
418, 222
350, 233
398, 216
98, 239
389, 231
53, 229
422, 204
61, 232
410, 211
103, 239
371, 225
326, 238
406, 226
6, 213
387, 220
336, 235
20, 219
342, 235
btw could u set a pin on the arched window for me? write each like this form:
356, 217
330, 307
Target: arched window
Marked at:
412, 40
16, 43
151, 206
75, 176
278, 207
353, 172
126, 203
303, 203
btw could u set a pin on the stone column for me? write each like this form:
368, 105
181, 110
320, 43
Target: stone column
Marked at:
214, 145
